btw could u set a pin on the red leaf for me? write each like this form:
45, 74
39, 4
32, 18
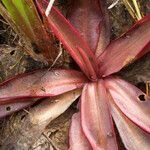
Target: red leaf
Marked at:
77, 139
89, 18
127, 48
29, 129
132, 136
41, 83
70, 38
96, 121
50, 109
8, 109
131, 100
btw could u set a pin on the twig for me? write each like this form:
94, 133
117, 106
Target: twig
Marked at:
50, 141
49, 7
13, 66
113, 4
4, 22
58, 56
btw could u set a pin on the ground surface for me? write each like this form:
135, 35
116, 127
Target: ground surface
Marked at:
14, 61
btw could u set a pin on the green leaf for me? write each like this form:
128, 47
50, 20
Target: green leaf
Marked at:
27, 19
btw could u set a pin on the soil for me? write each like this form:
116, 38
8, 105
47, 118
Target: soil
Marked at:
13, 60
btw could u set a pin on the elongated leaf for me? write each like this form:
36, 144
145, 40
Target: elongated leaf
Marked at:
127, 48
41, 83
77, 139
89, 18
54, 107
25, 15
29, 129
133, 137
96, 121
70, 38
8, 109
131, 100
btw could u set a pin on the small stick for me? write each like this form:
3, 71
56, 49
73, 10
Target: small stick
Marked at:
50, 141
13, 66
4, 22
58, 56
147, 88
49, 7
113, 4
27, 111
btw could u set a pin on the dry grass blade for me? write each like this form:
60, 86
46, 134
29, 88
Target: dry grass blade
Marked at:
133, 8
